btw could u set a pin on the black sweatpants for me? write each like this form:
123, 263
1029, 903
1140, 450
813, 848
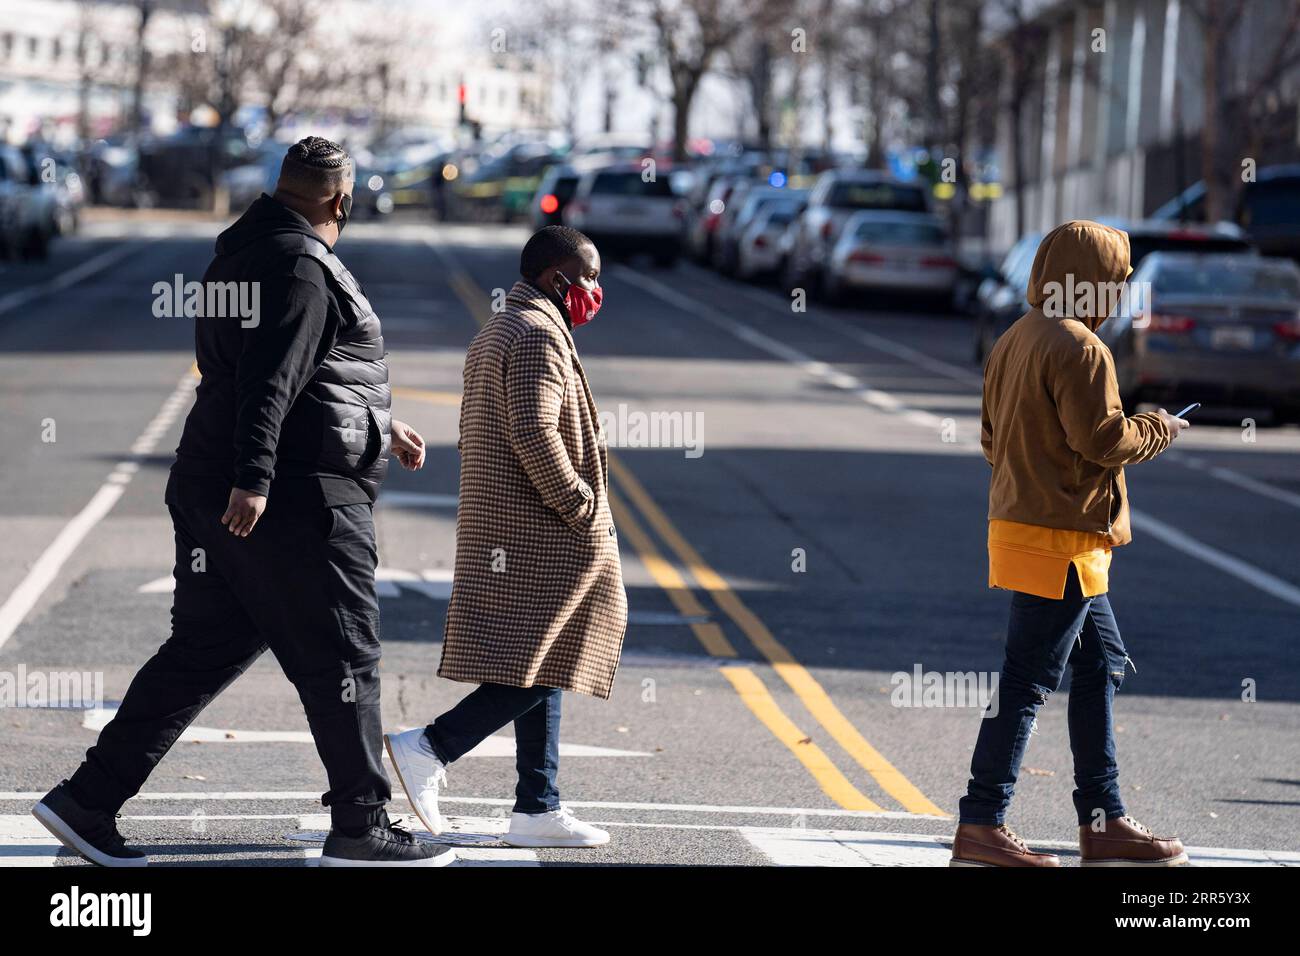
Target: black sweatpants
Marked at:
303, 584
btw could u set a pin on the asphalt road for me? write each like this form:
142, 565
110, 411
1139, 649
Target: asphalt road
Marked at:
823, 530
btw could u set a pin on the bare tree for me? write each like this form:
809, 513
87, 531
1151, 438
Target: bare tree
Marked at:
1240, 120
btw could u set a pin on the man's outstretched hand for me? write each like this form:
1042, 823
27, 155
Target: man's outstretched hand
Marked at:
1173, 423
242, 511
408, 446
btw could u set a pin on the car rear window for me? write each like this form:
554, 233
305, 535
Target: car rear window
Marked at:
900, 233
1261, 280
876, 196
564, 187
629, 184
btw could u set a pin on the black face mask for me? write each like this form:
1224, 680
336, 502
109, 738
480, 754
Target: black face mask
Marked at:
344, 212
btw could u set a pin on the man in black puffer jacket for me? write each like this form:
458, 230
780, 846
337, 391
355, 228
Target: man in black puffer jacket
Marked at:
279, 464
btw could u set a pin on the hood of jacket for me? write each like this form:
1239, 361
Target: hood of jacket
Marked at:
265, 218
1078, 271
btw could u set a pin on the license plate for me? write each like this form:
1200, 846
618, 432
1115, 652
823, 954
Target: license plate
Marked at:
1233, 337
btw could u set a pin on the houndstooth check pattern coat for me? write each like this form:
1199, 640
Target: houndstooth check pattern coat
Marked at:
537, 594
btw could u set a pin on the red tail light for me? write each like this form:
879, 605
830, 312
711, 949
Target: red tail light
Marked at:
1288, 331
869, 258
550, 203
1170, 324
939, 262
827, 228
760, 242
711, 221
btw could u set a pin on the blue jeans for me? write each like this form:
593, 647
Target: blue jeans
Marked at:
1045, 634
536, 713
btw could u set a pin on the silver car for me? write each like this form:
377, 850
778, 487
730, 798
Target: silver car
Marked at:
892, 252
1221, 329
624, 212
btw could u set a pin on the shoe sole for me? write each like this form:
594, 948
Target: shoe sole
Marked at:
442, 859
1179, 860
70, 839
542, 842
956, 862
410, 796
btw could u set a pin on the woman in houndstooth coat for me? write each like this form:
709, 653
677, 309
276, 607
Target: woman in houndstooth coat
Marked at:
537, 596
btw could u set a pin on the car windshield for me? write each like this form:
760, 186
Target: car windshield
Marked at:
899, 233
1220, 280
629, 184
850, 195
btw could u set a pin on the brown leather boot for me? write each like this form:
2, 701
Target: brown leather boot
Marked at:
976, 845
1125, 842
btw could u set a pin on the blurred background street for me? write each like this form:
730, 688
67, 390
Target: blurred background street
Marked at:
815, 218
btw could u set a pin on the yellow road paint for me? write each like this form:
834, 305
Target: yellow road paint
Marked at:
805, 686
709, 634
833, 783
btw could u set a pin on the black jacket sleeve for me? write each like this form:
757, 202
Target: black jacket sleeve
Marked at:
295, 331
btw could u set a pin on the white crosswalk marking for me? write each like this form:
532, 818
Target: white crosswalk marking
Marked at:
24, 842
477, 840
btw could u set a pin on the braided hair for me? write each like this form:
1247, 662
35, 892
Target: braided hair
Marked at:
315, 167
549, 247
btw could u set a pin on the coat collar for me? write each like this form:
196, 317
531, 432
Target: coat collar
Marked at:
526, 295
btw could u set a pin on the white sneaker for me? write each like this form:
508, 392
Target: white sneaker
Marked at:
555, 828
420, 772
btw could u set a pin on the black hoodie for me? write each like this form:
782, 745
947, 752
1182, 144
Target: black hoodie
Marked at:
248, 426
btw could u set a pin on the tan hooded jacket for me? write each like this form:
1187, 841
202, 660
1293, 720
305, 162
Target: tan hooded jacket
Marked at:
1053, 426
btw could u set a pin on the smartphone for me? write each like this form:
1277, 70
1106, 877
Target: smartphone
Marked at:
1190, 408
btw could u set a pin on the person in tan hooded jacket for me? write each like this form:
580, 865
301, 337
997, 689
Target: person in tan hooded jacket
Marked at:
1055, 433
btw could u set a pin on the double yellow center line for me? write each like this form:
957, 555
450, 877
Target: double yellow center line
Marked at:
747, 684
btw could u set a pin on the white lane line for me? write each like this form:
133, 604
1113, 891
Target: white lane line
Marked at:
433, 583
1255, 577
47, 566
314, 796
793, 847
69, 277
956, 373
24, 842
1242, 570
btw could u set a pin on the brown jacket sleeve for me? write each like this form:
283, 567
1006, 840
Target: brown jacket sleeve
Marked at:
535, 387
986, 427
1086, 393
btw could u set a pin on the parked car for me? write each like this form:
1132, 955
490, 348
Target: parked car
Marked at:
1216, 328
837, 195
906, 252
1000, 299
624, 213
740, 212
502, 187
553, 193
1268, 209
705, 216
758, 252
27, 211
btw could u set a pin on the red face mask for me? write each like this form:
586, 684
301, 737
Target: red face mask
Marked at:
583, 304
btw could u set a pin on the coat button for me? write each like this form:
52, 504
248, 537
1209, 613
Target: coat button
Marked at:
611, 531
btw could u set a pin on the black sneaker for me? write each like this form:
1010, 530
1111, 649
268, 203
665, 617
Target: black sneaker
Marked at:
90, 833
384, 844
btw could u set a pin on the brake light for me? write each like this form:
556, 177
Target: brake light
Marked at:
1170, 324
550, 203
827, 227
870, 258
939, 262
1288, 331
760, 242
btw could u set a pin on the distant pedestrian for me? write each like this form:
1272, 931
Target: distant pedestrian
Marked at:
537, 602
1057, 437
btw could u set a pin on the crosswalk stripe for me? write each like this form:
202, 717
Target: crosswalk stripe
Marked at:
24, 842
